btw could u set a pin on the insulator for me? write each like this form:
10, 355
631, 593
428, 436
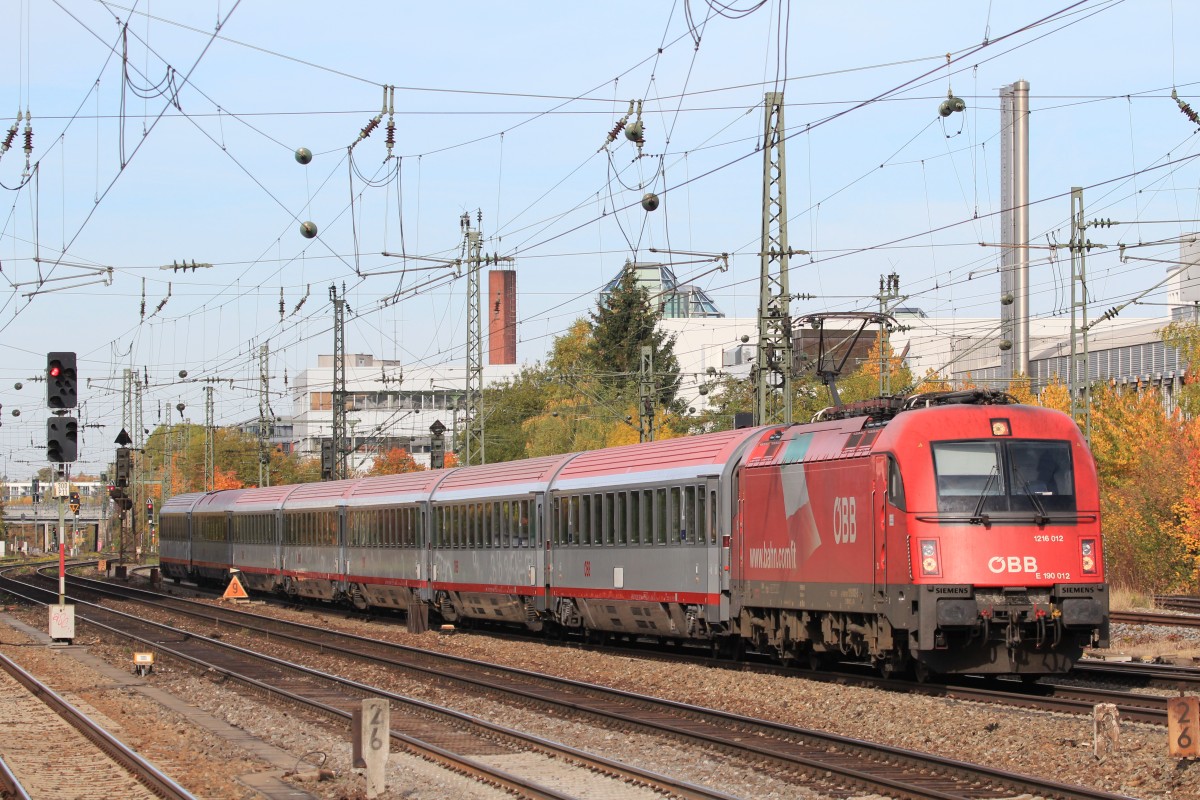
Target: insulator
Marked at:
28, 139
8, 140
372, 125
391, 134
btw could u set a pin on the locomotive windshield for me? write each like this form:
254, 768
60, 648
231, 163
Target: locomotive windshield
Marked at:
1004, 476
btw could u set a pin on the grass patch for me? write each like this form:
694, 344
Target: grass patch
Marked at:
1121, 598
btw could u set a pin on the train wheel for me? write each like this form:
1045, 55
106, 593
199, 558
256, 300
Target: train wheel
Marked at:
921, 672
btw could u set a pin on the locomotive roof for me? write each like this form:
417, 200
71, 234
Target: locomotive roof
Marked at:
815, 441
503, 478
942, 423
669, 459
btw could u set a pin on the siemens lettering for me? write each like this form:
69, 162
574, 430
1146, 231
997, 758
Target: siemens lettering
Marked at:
999, 564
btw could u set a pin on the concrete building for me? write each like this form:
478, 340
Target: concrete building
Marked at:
388, 405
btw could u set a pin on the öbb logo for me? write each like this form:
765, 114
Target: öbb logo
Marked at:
999, 564
845, 520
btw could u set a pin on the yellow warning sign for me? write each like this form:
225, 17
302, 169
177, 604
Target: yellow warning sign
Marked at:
235, 590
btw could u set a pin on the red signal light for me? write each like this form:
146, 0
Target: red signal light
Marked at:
55, 370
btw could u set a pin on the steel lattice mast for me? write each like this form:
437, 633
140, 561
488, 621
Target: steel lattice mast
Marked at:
773, 365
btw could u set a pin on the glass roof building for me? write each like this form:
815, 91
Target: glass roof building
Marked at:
677, 301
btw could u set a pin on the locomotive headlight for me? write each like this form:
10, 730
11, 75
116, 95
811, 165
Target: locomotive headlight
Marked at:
930, 562
1087, 549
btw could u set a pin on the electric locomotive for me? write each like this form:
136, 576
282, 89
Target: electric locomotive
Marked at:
949, 532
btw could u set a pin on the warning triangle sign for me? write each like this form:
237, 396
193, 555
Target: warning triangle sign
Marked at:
235, 590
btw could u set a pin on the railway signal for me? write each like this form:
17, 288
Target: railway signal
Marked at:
74, 501
123, 467
150, 509
62, 439
61, 391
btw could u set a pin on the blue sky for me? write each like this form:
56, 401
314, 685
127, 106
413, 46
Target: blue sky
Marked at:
503, 109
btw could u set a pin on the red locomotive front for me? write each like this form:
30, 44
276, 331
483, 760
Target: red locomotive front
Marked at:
954, 537
1002, 533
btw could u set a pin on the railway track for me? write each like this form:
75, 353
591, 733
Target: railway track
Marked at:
1048, 694
40, 727
1154, 618
789, 750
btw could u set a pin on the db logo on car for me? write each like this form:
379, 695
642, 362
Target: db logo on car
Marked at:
999, 564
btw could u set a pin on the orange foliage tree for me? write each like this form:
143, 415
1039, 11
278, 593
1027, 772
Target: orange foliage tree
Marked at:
394, 462
1146, 459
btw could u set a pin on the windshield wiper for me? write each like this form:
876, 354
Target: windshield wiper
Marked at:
979, 518
1040, 516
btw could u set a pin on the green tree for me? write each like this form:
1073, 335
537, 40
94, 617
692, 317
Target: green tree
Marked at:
623, 322
508, 406
1185, 336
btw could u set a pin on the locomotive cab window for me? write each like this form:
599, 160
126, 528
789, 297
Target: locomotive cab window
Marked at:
895, 484
1010, 476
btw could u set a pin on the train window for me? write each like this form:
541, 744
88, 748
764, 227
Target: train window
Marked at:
712, 517
895, 484
689, 514
969, 476
585, 519
608, 523
660, 516
504, 510
439, 514
635, 517
597, 519
529, 525
618, 517
574, 532
1042, 475
559, 520
1013, 475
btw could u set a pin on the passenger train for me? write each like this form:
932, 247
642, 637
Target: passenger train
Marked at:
947, 533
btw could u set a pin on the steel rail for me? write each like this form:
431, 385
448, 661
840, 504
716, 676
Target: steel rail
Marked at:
142, 770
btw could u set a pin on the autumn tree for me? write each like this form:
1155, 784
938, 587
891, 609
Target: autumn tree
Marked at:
394, 462
507, 407
1185, 336
1145, 459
